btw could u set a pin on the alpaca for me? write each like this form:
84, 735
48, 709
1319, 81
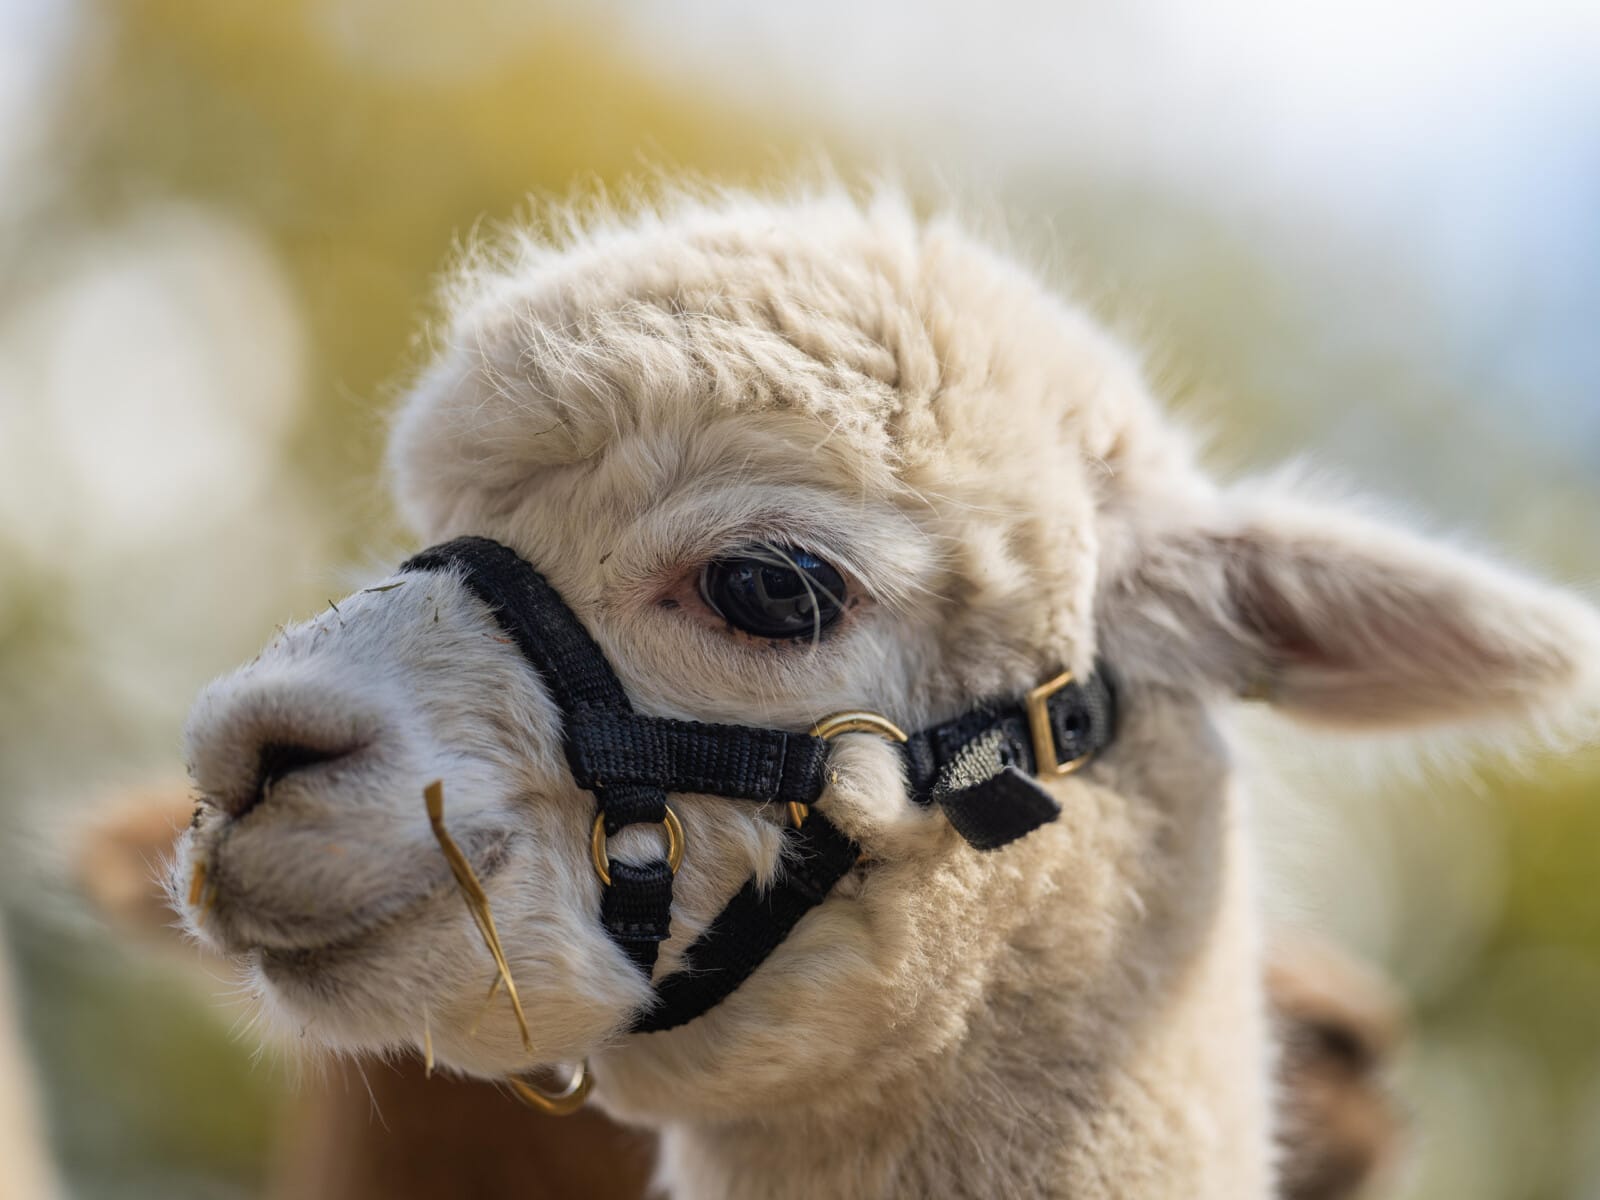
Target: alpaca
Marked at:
1339, 1128
786, 459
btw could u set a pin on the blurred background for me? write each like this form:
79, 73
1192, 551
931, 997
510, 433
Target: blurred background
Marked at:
1363, 233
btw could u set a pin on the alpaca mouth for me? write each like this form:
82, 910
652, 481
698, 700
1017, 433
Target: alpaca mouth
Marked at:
300, 944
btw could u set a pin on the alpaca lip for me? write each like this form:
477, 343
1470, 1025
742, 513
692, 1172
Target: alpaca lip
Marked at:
296, 943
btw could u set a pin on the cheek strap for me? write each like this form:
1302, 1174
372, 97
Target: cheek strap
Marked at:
978, 768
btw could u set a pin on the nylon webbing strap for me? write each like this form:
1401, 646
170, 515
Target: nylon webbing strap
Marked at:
736, 761
752, 926
637, 905
977, 768
550, 636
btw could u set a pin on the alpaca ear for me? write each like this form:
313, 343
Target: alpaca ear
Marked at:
1338, 618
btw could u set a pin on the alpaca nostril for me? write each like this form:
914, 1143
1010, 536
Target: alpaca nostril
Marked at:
259, 732
276, 761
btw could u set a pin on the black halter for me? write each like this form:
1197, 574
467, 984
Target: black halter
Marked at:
977, 768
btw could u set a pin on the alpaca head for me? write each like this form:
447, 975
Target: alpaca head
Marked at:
981, 493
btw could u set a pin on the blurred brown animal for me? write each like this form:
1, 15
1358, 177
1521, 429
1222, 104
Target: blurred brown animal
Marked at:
1340, 1130
379, 1130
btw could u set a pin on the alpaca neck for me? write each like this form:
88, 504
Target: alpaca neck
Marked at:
1166, 1097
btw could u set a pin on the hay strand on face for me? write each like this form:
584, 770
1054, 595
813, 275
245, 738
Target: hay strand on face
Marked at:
427, 1045
201, 895
477, 902
197, 882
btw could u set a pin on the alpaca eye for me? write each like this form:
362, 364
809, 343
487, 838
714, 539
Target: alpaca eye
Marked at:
774, 591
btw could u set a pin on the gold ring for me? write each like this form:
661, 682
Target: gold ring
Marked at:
855, 720
556, 1104
602, 862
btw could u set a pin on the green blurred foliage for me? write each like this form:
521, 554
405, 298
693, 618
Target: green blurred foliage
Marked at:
364, 167
151, 1095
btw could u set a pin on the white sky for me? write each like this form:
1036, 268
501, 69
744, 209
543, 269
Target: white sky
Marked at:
1461, 139
1354, 95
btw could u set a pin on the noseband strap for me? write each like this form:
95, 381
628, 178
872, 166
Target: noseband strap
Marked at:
978, 768
637, 905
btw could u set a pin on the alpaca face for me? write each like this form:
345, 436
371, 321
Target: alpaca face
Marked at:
987, 493
311, 760
640, 467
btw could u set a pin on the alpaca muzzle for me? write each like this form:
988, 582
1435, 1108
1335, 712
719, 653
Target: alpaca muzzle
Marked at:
978, 768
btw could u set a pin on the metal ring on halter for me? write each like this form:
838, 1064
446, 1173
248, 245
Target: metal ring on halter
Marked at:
602, 862
556, 1104
856, 720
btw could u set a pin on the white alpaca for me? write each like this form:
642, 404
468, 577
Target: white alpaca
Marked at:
986, 481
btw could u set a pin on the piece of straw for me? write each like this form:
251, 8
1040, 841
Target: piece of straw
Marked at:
477, 902
198, 892
427, 1045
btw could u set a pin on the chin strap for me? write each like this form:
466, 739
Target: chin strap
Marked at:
980, 769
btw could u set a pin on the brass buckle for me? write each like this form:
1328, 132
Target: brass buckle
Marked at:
855, 720
1045, 763
602, 862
